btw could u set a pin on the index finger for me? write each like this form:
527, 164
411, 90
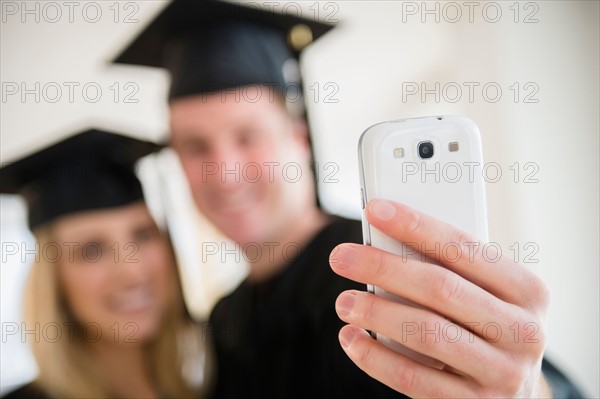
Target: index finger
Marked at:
501, 277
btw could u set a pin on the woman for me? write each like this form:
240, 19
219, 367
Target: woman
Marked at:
104, 289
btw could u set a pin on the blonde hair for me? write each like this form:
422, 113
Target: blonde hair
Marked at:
66, 368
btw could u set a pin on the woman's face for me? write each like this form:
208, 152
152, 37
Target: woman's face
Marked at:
116, 272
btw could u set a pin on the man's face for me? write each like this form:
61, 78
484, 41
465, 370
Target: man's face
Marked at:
242, 160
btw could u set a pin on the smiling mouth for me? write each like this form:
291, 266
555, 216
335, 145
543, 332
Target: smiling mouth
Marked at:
133, 301
235, 203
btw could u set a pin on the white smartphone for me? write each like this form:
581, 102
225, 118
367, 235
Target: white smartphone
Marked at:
432, 164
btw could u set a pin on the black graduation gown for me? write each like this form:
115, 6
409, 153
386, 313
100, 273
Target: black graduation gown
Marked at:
27, 391
278, 339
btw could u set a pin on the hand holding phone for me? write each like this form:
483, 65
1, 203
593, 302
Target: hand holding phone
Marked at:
481, 321
431, 164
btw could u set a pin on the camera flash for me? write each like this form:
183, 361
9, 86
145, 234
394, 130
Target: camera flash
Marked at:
453, 147
399, 152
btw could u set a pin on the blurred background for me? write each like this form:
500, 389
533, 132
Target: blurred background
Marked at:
526, 72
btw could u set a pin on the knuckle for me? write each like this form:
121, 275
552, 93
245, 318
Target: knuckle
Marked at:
382, 266
534, 339
512, 378
365, 356
404, 378
430, 339
471, 248
364, 308
526, 335
379, 263
539, 291
540, 338
447, 286
412, 221
487, 392
460, 237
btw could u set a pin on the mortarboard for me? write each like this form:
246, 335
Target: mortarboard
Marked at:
90, 170
210, 46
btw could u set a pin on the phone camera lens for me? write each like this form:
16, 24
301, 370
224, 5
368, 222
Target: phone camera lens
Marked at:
425, 149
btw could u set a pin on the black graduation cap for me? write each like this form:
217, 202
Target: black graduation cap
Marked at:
90, 170
210, 46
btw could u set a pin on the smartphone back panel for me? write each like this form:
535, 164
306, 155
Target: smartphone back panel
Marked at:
432, 164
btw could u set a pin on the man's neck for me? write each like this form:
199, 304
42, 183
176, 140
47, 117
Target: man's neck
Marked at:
276, 256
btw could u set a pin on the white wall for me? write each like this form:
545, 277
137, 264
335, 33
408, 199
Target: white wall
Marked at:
375, 52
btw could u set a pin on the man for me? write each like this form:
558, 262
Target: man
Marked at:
239, 133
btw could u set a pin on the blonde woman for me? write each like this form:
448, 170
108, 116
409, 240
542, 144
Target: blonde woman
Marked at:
104, 289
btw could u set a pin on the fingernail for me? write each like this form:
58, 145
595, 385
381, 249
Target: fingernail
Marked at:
345, 304
383, 210
347, 335
343, 256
